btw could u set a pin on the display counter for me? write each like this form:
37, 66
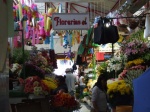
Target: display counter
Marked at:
16, 96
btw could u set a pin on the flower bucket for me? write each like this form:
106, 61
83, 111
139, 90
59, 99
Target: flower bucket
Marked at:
124, 108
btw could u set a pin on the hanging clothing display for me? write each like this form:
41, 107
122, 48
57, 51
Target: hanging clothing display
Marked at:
105, 32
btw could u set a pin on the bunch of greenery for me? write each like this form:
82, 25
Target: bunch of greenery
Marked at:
18, 57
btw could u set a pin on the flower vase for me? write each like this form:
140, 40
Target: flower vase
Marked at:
33, 96
123, 108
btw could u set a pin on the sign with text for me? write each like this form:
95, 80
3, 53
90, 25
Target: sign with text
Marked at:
70, 21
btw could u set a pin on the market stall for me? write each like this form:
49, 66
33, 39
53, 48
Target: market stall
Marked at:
120, 51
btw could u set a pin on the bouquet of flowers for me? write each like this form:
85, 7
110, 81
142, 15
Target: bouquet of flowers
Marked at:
119, 93
35, 85
39, 64
130, 74
102, 68
134, 62
64, 102
116, 63
133, 49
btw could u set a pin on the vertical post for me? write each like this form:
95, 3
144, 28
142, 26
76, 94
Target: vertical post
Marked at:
45, 7
23, 53
112, 49
22, 31
66, 9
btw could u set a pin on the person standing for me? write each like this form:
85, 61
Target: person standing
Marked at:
99, 96
82, 84
71, 80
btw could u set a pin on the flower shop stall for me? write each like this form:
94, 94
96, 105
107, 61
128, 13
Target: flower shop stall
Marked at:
38, 78
129, 64
35, 67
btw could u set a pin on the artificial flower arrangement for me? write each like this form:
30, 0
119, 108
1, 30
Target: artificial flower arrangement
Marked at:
64, 102
128, 75
136, 46
34, 85
134, 62
119, 93
37, 86
39, 64
102, 68
16, 69
116, 63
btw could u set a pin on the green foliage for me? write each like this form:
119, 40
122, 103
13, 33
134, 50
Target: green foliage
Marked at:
17, 56
102, 68
146, 56
131, 75
137, 35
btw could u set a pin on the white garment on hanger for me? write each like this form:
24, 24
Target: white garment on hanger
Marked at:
147, 27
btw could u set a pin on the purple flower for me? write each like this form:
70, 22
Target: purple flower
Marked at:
134, 51
127, 51
130, 44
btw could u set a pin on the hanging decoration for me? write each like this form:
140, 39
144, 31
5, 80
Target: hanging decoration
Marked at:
65, 40
37, 27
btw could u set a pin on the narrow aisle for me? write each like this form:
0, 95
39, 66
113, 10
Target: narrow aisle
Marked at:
85, 107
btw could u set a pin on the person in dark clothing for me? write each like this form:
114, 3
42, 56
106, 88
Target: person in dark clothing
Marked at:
62, 87
99, 96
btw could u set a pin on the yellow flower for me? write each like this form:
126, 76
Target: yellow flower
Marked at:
50, 84
118, 86
134, 62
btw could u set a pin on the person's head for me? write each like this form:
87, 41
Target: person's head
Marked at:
102, 81
68, 70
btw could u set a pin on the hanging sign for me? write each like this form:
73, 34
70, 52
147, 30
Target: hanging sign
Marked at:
70, 21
